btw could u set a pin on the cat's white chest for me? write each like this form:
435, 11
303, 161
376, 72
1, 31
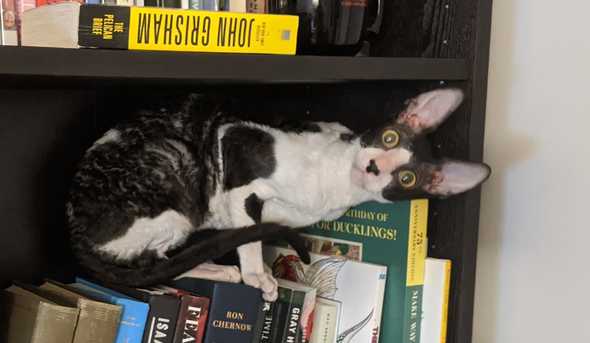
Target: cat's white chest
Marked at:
312, 180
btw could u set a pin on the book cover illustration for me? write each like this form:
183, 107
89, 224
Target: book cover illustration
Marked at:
393, 235
335, 277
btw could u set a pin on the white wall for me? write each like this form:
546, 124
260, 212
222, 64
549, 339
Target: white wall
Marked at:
533, 280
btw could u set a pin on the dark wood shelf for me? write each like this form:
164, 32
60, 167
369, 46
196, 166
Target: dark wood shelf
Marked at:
63, 65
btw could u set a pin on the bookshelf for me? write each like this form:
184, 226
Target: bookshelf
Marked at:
66, 66
55, 102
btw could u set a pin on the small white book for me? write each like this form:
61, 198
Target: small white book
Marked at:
325, 321
238, 6
435, 300
359, 288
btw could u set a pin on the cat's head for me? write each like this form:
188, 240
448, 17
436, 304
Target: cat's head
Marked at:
395, 162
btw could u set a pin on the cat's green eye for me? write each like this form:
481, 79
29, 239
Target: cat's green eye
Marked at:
390, 139
407, 178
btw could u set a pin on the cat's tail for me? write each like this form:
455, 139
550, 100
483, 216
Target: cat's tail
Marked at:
210, 245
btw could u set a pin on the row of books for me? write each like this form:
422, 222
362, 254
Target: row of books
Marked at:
204, 25
368, 281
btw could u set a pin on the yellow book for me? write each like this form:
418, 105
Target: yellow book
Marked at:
73, 25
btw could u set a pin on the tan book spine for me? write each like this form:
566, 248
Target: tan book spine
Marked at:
98, 321
55, 324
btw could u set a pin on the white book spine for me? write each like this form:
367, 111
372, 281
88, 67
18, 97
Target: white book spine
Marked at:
1, 23
139, 3
238, 6
435, 299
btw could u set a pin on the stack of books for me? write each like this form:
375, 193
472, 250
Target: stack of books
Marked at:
229, 26
368, 281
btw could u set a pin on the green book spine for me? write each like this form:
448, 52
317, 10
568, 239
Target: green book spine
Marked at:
393, 235
292, 331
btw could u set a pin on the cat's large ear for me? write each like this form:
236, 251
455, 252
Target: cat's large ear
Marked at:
428, 110
454, 177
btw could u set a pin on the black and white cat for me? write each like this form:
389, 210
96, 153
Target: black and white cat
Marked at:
158, 196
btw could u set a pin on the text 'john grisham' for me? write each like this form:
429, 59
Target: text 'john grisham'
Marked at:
186, 29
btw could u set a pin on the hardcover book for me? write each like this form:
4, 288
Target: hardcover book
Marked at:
435, 300
98, 321
163, 314
281, 315
31, 316
300, 321
233, 312
336, 278
266, 319
393, 235
134, 313
162, 29
192, 315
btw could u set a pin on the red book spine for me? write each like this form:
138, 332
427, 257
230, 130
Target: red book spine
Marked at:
192, 319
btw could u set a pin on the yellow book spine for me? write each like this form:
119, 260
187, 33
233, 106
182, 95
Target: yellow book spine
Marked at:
202, 31
445, 305
168, 29
417, 242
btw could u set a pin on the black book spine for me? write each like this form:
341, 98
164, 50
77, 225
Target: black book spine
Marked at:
293, 330
281, 314
171, 3
162, 319
104, 26
265, 332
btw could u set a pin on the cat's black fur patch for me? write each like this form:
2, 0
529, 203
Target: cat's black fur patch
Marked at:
299, 126
254, 207
248, 154
347, 137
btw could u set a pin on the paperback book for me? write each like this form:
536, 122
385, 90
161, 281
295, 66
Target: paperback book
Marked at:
336, 278
435, 304
71, 25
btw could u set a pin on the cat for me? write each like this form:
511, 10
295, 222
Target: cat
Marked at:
161, 195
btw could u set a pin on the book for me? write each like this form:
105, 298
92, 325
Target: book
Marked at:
192, 318
134, 313
233, 312
256, 6
124, 2
266, 322
162, 316
435, 300
279, 322
9, 22
98, 321
160, 29
325, 321
300, 311
32, 316
393, 235
237, 6
336, 278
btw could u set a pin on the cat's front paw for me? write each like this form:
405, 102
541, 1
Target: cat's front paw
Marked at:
267, 284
